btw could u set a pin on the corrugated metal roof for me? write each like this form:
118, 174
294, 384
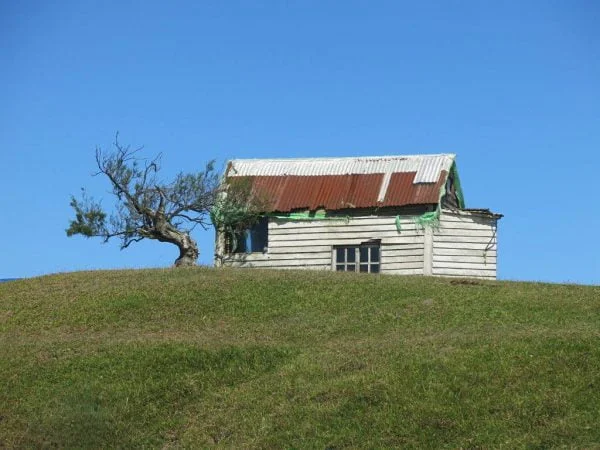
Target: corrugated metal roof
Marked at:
427, 167
340, 183
403, 190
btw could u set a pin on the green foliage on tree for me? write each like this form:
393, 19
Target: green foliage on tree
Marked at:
238, 208
146, 207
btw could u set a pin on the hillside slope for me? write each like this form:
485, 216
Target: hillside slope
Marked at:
247, 358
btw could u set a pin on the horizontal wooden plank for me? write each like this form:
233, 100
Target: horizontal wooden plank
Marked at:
411, 249
476, 277
464, 215
388, 259
322, 268
464, 265
402, 265
283, 245
358, 235
349, 240
464, 225
464, 219
277, 257
464, 272
281, 223
437, 251
389, 228
293, 253
475, 263
414, 252
462, 232
463, 258
312, 255
246, 257
472, 219
354, 221
299, 249
403, 252
404, 220
479, 246
483, 240
279, 263
401, 270
419, 245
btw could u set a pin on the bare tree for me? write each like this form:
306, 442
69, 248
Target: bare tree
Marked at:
147, 208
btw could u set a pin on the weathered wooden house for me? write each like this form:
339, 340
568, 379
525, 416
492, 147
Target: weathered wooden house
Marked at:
400, 215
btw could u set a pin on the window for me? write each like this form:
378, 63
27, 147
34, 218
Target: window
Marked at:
254, 239
359, 258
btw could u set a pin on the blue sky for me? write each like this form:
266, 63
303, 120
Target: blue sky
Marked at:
513, 88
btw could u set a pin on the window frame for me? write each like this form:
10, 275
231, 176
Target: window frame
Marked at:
246, 235
356, 262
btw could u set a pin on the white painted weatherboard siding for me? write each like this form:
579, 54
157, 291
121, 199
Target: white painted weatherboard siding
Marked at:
465, 245
308, 244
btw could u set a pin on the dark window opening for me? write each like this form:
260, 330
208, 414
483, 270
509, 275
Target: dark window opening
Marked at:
359, 258
253, 240
450, 199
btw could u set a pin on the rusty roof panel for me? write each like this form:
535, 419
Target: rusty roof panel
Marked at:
312, 192
344, 191
364, 190
329, 191
299, 193
270, 188
340, 183
402, 190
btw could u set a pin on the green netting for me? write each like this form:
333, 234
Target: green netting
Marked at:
457, 187
429, 219
306, 215
432, 219
294, 216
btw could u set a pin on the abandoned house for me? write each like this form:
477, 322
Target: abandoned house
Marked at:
401, 215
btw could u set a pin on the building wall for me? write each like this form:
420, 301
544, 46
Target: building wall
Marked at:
465, 244
308, 244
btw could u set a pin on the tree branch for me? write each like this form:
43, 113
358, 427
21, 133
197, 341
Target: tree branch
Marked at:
145, 207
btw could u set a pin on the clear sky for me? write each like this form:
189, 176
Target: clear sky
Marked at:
513, 88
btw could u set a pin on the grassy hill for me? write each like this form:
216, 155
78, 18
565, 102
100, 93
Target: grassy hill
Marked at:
243, 358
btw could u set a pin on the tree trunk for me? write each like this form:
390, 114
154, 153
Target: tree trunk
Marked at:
188, 252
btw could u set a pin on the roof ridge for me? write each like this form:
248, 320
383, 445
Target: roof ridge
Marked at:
338, 158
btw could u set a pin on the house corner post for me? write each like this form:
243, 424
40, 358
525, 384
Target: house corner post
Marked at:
219, 248
428, 251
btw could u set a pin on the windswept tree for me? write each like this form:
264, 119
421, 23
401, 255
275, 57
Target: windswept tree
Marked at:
147, 208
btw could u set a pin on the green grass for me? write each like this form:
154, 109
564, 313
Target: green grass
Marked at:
260, 359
